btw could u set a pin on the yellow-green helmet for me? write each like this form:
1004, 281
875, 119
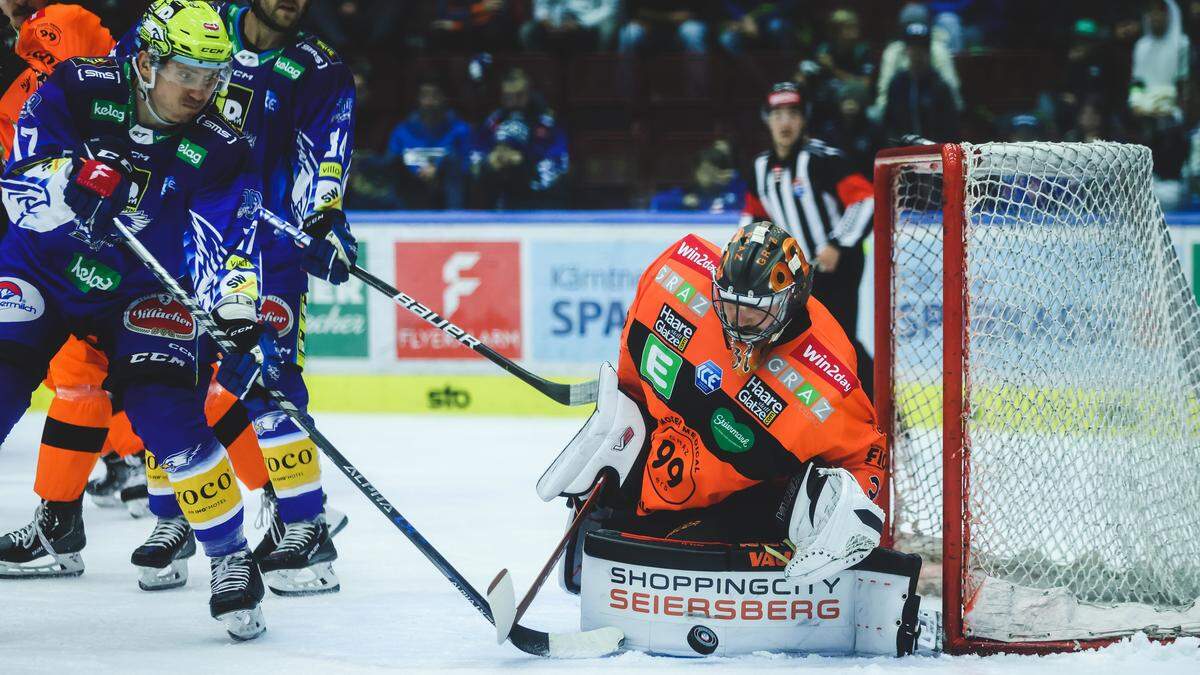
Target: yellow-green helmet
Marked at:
190, 31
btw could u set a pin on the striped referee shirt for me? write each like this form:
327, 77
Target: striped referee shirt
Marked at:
814, 194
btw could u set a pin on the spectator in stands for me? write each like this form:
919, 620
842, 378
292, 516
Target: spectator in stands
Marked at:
433, 146
918, 100
850, 130
1089, 73
758, 24
716, 186
353, 26
895, 60
1156, 96
1160, 62
571, 25
520, 156
472, 25
845, 54
1025, 127
1092, 123
659, 24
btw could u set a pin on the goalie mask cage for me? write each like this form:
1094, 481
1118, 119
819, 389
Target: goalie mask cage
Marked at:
1037, 372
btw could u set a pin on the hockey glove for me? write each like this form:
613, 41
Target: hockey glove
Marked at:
255, 354
99, 186
333, 250
830, 521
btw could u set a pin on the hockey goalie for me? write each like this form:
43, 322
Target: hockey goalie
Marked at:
742, 465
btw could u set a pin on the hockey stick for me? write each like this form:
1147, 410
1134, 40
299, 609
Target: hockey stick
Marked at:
579, 393
500, 593
578, 645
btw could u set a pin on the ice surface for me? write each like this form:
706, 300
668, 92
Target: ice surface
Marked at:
468, 485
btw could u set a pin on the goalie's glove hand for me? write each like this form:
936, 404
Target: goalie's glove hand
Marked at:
333, 250
830, 521
99, 185
254, 356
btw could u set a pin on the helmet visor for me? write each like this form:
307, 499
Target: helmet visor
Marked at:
751, 318
207, 77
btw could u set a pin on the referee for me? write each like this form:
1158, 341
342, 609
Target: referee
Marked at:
810, 189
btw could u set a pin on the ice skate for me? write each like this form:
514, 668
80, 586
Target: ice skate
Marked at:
162, 560
47, 547
237, 590
119, 472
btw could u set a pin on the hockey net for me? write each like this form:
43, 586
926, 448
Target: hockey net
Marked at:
1038, 364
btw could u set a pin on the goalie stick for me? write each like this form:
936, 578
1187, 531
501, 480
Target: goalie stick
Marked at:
500, 592
579, 393
569, 645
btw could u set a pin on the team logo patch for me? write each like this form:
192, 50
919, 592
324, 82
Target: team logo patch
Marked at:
276, 313
802, 389
761, 401
19, 301
708, 377
673, 461
160, 315
673, 329
692, 252
660, 366
684, 292
820, 359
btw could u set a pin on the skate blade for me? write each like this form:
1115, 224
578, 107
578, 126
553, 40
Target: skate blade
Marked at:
139, 508
313, 580
174, 575
107, 501
335, 520
45, 567
244, 624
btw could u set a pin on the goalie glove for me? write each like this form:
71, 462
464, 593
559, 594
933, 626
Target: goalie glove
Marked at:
612, 438
830, 521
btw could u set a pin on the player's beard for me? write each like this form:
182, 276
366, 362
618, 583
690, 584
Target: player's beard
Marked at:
270, 22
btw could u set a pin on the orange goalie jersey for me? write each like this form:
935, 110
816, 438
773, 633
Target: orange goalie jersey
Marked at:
47, 38
714, 431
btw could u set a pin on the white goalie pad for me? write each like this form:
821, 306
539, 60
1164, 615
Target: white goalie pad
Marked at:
728, 600
612, 438
833, 524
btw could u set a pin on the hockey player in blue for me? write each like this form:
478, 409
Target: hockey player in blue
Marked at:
293, 98
138, 138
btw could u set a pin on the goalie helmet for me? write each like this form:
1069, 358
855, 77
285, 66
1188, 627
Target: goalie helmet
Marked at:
763, 281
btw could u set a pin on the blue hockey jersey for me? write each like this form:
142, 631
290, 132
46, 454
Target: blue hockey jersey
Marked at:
192, 202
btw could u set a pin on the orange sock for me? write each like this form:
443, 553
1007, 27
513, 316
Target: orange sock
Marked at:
77, 424
229, 421
121, 438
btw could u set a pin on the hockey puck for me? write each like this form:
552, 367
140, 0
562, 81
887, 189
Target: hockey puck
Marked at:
702, 639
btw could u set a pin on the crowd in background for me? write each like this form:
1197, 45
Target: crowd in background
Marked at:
874, 71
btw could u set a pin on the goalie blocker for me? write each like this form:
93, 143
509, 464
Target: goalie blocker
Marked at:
697, 599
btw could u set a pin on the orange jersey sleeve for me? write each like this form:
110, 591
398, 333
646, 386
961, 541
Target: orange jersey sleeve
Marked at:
716, 431
61, 32
46, 39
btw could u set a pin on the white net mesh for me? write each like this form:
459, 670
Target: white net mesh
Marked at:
1081, 380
